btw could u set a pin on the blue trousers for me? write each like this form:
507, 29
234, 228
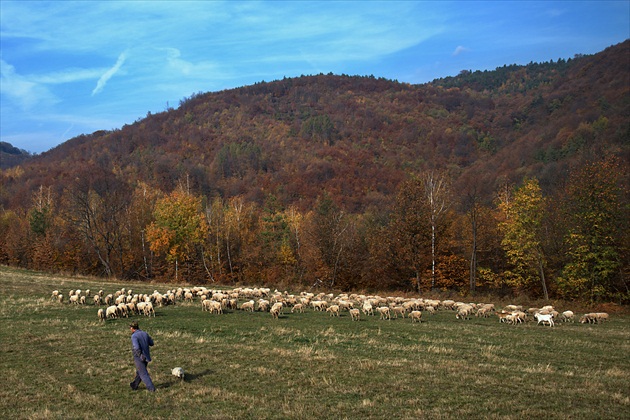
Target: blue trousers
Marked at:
142, 375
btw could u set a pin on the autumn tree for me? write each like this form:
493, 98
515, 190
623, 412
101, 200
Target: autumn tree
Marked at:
598, 224
96, 207
410, 229
522, 235
179, 227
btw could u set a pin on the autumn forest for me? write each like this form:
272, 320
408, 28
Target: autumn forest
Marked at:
511, 181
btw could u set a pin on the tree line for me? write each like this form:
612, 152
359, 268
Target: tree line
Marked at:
571, 245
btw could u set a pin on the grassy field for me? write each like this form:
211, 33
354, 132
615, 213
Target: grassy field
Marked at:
59, 361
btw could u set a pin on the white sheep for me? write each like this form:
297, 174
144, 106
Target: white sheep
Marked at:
333, 309
111, 312
101, 314
355, 314
567, 316
178, 372
544, 318
385, 312
416, 316
276, 309
298, 307
248, 306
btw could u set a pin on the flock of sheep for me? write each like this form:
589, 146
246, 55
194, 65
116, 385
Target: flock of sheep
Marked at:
124, 303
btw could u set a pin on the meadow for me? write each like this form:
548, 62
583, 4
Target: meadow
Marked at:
59, 361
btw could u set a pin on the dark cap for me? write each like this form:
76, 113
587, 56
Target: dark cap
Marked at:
134, 325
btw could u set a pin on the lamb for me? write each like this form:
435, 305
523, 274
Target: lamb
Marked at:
416, 316
544, 318
355, 314
178, 372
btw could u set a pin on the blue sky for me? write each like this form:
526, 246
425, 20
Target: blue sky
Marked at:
70, 68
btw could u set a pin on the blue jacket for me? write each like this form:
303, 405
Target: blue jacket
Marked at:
140, 343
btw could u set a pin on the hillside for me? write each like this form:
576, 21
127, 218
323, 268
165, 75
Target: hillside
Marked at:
358, 137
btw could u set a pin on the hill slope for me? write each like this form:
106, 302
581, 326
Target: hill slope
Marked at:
358, 137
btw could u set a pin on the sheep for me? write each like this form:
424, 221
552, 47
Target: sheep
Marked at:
82, 300
544, 318
594, 318
384, 311
111, 312
367, 308
54, 295
503, 316
263, 305
276, 309
60, 298
148, 309
97, 300
399, 310
355, 314
463, 311
567, 316
298, 307
74, 299
179, 373
248, 306
333, 309
101, 314
416, 316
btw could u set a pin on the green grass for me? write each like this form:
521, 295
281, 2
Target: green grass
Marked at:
59, 361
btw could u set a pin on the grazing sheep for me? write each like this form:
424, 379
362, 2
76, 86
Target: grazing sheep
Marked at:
148, 309
97, 300
263, 305
355, 314
54, 295
594, 318
544, 318
178, 372
464, 311
276, 309
60, 298
567, 316
367, 308
248, 306
416, 316
111, 312
298, 307
74, 299
101, 314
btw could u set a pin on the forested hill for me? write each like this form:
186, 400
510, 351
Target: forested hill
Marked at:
358, 137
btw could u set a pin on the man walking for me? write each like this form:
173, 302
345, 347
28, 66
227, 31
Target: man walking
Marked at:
140, 343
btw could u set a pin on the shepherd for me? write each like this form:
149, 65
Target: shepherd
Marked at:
140, 343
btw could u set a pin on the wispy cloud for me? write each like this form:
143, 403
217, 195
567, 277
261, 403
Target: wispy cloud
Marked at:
21, 89
100, 85
459, 50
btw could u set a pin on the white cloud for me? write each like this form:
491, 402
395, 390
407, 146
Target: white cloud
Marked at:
21, 89
100, 85
459, 50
